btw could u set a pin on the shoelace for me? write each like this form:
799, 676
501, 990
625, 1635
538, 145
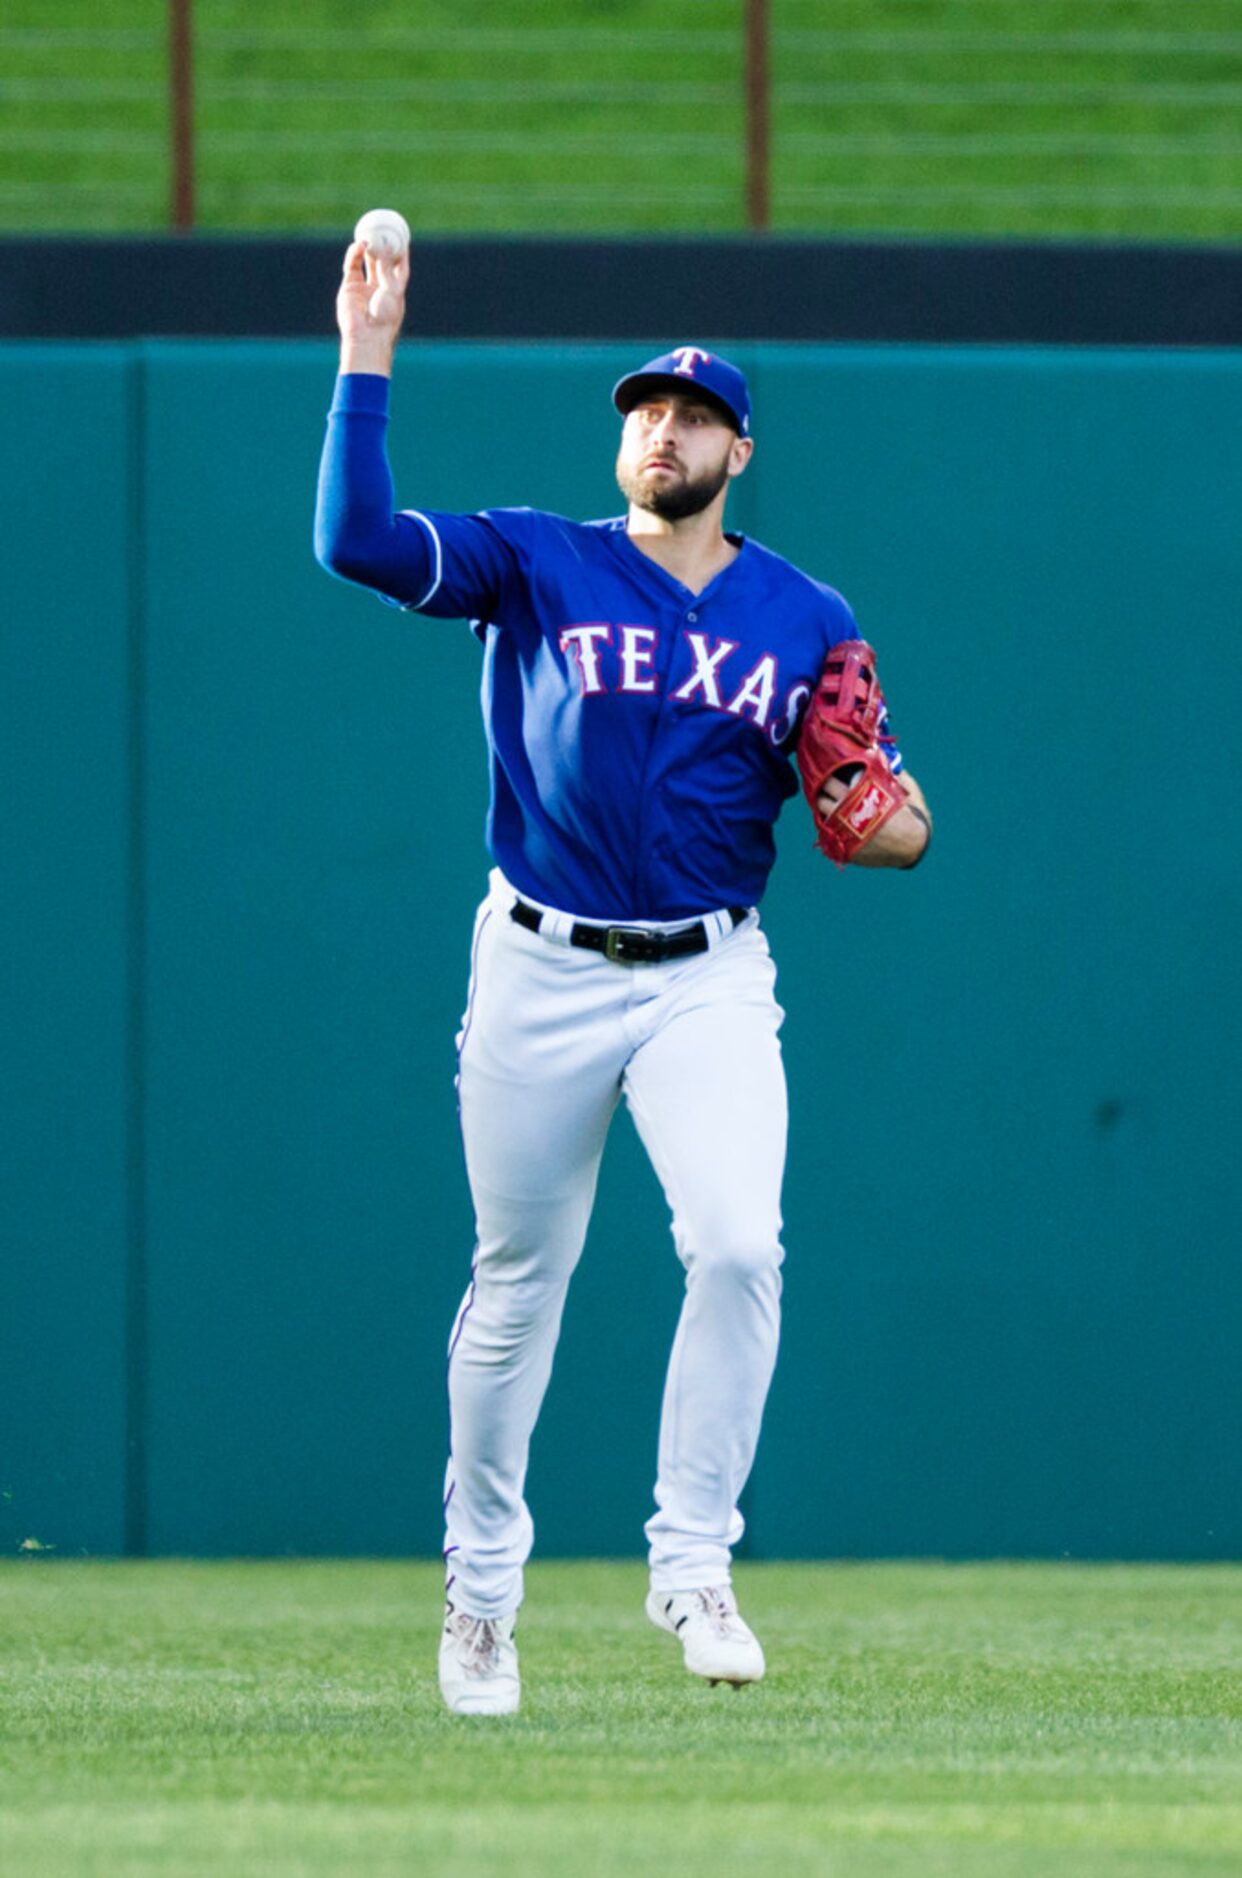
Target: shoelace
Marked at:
478, 1643
719, 1607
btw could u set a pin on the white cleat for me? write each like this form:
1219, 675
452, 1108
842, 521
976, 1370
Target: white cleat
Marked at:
715, 1641
479, 1664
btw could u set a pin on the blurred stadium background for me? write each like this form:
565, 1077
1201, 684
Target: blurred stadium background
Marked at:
1089, 118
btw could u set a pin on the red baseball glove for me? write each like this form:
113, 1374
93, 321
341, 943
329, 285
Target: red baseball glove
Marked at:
840, 736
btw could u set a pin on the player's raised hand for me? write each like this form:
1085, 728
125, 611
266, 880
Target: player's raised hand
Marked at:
370, 307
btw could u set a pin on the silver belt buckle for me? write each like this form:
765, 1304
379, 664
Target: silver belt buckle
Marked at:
616, 939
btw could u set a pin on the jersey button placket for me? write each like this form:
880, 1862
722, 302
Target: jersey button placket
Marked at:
649, 849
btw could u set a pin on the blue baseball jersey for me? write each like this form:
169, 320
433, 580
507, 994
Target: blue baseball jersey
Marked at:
640, 735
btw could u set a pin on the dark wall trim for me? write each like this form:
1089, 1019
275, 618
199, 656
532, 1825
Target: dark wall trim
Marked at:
529, 288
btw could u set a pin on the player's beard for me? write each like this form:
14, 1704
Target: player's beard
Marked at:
672, 502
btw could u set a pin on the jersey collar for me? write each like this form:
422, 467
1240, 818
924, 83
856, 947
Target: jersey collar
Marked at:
666, 582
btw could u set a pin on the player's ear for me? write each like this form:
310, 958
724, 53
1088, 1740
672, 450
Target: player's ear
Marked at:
740, 454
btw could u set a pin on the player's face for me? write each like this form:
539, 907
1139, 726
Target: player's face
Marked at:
677, 454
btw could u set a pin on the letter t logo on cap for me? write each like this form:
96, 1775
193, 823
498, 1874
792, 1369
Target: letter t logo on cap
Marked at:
687, 358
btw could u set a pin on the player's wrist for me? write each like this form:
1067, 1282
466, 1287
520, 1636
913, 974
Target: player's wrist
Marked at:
366, 355
900, 843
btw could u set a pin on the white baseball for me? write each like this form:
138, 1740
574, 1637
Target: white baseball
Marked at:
385, 231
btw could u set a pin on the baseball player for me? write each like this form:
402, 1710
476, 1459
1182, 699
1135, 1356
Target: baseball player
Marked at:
647, 682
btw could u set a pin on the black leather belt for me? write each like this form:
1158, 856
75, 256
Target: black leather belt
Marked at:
629, 945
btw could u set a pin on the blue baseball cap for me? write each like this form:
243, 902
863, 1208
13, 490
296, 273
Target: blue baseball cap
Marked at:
687, 366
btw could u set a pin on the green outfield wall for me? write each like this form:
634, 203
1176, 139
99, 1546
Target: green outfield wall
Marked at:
243, 809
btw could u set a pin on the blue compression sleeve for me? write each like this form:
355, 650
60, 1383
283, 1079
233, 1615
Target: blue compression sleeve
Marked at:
357, 535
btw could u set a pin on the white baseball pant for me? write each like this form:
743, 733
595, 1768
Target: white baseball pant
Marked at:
552, 1037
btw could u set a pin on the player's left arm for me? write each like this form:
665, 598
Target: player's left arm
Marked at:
868, 811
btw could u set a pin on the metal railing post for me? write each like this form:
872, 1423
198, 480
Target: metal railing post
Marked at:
758, 193
181, 113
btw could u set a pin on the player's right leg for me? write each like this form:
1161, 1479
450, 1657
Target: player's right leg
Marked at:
707, 1091
541, 1052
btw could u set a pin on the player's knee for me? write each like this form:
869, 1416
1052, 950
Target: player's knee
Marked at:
525, 1254
518, 1302
732, 1255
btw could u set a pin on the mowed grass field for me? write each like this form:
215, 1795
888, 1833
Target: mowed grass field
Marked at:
973, 1721
984, 117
